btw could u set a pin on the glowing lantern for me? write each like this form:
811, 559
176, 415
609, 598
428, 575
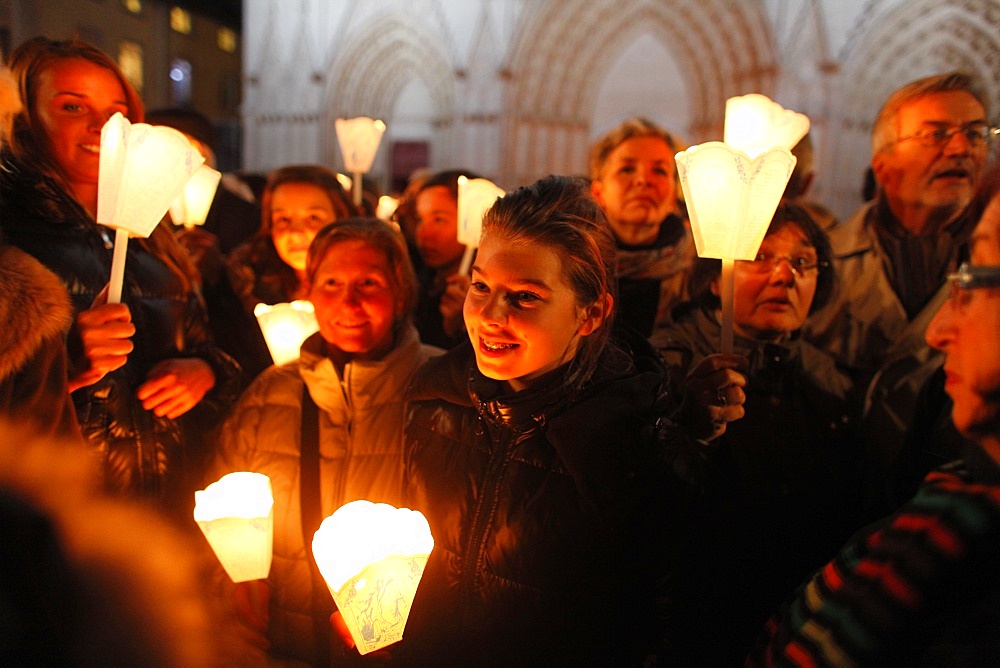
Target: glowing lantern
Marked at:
386, 207
285, 327
359, 139
143, 168
475, 197
191, 207
732, 188
236, 514
372, 556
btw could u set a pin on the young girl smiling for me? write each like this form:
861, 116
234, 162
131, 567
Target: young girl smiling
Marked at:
532, 452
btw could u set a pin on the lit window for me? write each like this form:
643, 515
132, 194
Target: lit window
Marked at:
180, 20
226, 39
134, 6
130, 62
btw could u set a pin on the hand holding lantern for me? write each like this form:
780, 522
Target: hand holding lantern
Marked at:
372, 556
142, 170
732, 188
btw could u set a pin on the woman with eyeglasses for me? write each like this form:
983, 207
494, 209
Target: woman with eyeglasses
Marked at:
785, 488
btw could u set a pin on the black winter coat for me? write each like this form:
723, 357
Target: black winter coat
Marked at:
143, 455
545, 511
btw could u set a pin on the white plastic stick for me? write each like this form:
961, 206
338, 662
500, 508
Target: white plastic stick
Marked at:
727, 305
466, 266
356, 189
118, 266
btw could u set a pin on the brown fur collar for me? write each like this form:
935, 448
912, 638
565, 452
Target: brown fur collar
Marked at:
34, 306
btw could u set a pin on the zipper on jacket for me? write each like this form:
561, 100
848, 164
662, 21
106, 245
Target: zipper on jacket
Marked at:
499, 458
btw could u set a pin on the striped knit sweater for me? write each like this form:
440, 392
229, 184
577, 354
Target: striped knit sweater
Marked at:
919, 588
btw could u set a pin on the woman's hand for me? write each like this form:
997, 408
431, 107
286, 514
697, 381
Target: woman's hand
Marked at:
175, 386
452, 302
713, 395
105, 330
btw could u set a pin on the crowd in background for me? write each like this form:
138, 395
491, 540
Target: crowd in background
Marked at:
603, 486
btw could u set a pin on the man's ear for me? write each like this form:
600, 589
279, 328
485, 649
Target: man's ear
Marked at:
715, 287
879, 166
594, 315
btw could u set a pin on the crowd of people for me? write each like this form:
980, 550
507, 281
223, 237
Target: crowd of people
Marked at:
603, 487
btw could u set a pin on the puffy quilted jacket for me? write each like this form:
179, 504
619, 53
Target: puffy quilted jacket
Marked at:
143, 455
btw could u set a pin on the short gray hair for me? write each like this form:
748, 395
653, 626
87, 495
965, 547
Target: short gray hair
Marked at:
628, 129
885, 130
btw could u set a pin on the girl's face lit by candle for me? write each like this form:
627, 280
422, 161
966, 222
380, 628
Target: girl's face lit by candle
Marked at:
354, 301
298, 212
74, 98
437, 227
521, 313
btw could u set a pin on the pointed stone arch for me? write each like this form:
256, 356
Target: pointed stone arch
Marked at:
374, 66
723, 48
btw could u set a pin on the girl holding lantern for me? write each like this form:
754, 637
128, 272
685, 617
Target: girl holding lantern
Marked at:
147, 381
535, 454
334, 416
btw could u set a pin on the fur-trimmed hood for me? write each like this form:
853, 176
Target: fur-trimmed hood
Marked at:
34, 306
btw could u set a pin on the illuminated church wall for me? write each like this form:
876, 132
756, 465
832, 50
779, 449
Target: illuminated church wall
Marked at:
517, 89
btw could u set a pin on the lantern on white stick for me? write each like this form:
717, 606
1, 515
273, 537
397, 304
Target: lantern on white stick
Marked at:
236, 514
359, 139
143, 168
285, 326
732, 188
475, 197
372, 556
191, 207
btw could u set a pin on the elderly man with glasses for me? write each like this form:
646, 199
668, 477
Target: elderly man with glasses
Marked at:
930, 144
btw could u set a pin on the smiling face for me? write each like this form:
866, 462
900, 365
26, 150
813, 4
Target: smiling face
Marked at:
352, 292
637, 188
770, 305
298, 212
967, 329
436, 233
73, 99
521, 314
940, 179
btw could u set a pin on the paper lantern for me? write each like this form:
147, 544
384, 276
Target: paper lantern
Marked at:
191, 207
143, 168
359, 139
372, 556
285, 326
730, 197
475, 197
386, 207
755, 124
236, 514
733, 189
